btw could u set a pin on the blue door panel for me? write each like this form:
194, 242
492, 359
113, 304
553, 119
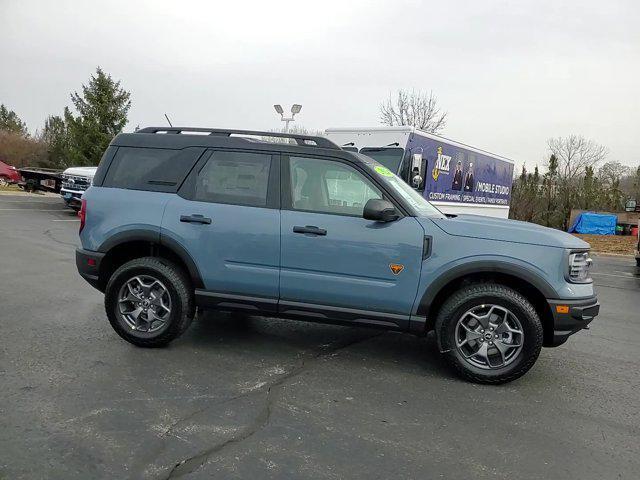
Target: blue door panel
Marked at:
350, 266
238, 253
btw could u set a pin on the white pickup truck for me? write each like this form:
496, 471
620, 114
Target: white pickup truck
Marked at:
75, 181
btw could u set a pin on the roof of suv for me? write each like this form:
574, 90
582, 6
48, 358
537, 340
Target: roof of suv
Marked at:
182, 137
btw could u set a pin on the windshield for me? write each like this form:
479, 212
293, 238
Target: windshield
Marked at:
389, 157
420, 206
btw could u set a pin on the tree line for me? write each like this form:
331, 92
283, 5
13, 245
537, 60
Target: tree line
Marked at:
575, 178
78, 136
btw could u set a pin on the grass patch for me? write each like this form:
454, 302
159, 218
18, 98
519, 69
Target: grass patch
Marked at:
10, 188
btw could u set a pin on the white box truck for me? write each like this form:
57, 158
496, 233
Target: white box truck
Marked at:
455, 177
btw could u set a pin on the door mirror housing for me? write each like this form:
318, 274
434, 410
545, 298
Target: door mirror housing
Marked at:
380, 211
416, 177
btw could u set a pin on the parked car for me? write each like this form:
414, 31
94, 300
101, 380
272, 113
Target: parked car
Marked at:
8, 174
310, 231
75, 181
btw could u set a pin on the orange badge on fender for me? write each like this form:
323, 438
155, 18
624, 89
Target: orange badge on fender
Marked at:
396, 268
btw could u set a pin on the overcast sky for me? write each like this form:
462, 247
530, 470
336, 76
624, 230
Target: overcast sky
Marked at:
510, 74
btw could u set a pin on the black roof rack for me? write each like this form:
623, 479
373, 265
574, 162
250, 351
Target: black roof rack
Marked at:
304, 140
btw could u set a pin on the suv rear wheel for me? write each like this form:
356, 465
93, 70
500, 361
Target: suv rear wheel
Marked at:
489, 333
149, 301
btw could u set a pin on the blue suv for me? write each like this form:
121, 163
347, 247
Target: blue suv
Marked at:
186, 218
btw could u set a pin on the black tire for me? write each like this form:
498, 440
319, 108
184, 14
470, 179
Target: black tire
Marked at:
476, 295
638, 262
178, 287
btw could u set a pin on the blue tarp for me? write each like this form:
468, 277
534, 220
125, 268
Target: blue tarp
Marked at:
595, 223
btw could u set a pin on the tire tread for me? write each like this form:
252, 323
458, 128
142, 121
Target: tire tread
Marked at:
478, 291
178, 280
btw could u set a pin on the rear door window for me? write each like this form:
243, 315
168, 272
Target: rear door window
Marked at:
238, 178
153, 169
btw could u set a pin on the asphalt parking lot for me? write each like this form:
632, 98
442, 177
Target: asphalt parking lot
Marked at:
263, 398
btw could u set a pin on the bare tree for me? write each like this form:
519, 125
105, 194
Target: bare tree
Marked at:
612, 172
417, 109
612, 195
20, 151
574, 155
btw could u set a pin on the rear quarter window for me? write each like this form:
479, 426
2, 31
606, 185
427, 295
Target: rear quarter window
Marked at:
152, 169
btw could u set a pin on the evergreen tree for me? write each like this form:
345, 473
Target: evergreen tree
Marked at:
590, 191
525, 196
56, 136
10, 122
549, 192
102, 110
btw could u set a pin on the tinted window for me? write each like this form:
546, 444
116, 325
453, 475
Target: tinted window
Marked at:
234, 177
154, 169
329, 187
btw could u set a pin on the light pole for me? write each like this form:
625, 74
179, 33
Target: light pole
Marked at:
295, 109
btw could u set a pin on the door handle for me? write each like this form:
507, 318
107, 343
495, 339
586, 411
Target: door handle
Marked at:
309, 229
195, 219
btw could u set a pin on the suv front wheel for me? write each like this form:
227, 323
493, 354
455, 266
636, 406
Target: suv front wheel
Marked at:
149, 301
489, 333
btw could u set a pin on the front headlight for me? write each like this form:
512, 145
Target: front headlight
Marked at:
579, 266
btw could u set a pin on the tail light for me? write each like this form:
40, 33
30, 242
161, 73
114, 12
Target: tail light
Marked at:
82, 214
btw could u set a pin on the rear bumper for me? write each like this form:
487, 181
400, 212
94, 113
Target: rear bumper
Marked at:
88, 265
571, 316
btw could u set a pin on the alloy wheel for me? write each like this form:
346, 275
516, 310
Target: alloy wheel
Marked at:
144, 304
489, 336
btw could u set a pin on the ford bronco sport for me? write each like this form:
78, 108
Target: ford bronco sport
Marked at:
179, 218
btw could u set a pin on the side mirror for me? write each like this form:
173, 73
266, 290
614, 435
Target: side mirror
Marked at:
416, 181
380, 211
417, 170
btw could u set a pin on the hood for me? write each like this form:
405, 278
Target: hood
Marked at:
81, 171
501, 229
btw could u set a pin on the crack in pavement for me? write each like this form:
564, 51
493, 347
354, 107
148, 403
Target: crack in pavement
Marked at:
49, 234
195, 462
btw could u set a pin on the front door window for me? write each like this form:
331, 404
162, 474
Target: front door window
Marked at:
325, 186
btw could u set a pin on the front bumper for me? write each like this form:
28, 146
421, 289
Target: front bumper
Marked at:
88, 264
72, 198
571, 316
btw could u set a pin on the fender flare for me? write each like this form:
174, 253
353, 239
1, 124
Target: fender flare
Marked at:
483, 266
153, 236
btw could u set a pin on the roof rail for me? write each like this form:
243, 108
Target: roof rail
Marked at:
304, 140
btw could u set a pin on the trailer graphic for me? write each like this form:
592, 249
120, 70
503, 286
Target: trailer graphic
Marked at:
455, 177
